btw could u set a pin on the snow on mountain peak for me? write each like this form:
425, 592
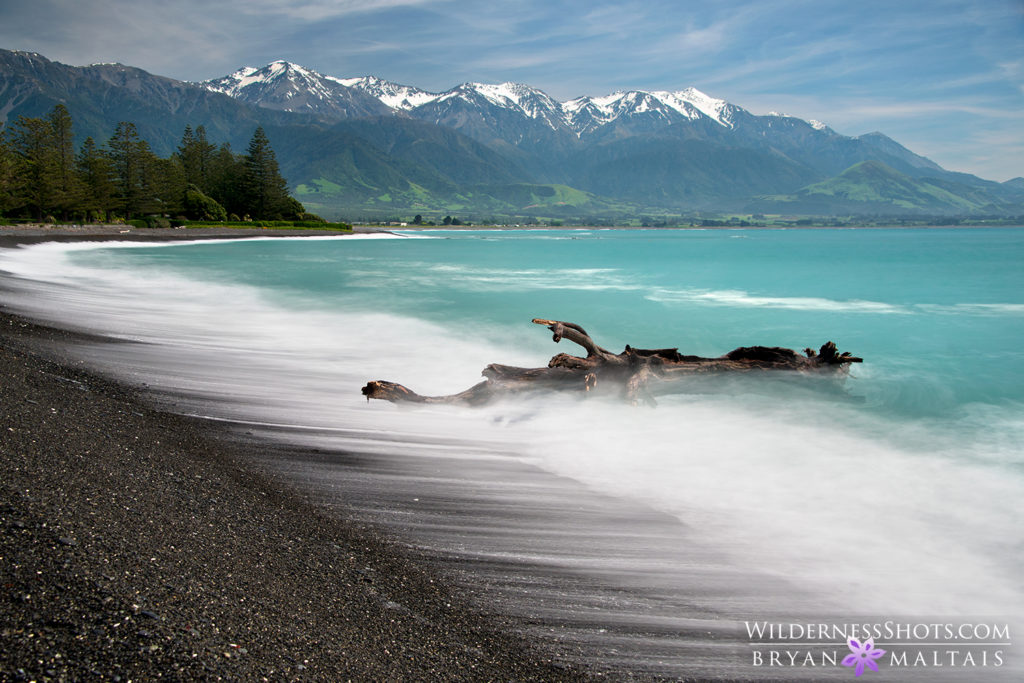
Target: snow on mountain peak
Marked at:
394, 95
502, 94
582, 114
275, 71
232, 83
288, 86
497, 94
515, 96
586, 113
281, 68
816, 125
715, 109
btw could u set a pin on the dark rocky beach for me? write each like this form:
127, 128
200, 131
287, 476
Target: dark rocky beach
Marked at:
136, 546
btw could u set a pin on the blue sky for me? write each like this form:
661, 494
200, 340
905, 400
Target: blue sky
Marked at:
943, 77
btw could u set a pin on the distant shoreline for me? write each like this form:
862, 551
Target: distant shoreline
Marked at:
33, 233
13, 235
569, 228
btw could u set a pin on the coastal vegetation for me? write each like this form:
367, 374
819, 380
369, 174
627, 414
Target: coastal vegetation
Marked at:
44, 179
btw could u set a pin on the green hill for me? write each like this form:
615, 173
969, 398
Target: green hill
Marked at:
871, 187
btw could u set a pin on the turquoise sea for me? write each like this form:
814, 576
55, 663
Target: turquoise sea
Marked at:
901, 494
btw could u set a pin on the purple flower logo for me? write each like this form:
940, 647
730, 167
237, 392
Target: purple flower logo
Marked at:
862, 655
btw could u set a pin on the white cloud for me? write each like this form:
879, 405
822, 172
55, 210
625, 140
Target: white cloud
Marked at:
321, 10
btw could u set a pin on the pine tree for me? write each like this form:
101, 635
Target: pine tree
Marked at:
96, 173
129, 154
196, 155
204, 152
33, 144
225, 175
67, 189
10, 177
265, 191
186, 155
164, 185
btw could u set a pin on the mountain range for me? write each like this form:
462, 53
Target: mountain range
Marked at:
366, 147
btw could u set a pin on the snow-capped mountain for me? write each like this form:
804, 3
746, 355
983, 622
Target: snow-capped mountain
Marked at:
587, 114
289, 87
522, 120
510, 117
393, 95
529, 102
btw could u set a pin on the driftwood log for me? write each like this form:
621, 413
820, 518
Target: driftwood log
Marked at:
638, 373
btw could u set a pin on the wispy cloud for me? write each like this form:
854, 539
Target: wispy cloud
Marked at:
923, 109
321, 10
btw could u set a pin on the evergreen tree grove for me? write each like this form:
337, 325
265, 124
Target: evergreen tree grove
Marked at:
42, 176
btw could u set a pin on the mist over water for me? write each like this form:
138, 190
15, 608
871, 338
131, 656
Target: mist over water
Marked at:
897, 494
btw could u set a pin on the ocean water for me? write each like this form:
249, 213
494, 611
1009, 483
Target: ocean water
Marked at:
645, 534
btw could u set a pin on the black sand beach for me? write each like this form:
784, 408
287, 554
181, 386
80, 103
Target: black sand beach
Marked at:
136, 546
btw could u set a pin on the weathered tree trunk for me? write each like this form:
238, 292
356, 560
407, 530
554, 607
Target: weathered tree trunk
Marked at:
639, 373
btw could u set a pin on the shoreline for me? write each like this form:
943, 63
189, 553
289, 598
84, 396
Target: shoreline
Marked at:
139, 544
12, 235
696, 228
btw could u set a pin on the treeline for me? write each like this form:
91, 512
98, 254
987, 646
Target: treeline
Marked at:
43, 177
